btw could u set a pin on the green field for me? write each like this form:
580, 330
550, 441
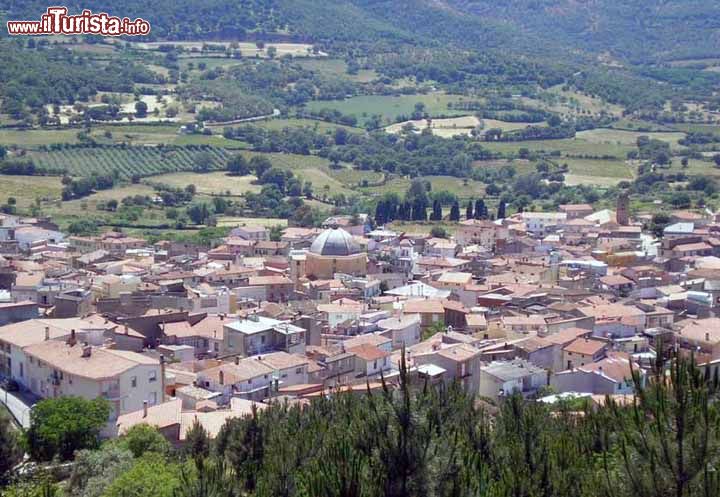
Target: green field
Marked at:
389, 107
217, 182
128, 161
27, 189
33, 138
566, 146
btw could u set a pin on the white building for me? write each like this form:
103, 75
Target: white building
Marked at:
542, 223
66, 368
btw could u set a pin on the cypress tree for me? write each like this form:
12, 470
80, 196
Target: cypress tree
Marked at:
455, 212
380, 212
480, 209
501, 210
436, 211
469, 210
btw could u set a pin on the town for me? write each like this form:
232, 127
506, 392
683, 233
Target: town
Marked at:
551, 305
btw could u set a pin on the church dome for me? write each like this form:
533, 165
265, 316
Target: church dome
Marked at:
334, 242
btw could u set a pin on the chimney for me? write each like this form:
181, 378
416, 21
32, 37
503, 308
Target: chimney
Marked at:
71, 341
707, 337
237, 360
162, 377
127, 331
145, 408
47, 333
221, 378
87, 350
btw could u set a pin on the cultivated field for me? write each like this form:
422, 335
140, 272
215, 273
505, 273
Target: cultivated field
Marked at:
129, 161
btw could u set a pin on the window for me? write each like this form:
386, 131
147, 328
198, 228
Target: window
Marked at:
375, 365
133, 382
299, 371
250, 382
152, 376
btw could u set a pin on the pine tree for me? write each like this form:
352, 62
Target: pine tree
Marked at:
455, 212
469, 210
197, 442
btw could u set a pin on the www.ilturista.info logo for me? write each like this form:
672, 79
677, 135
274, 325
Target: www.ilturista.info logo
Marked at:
56, 21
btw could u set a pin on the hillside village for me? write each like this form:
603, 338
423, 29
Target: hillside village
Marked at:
551, 305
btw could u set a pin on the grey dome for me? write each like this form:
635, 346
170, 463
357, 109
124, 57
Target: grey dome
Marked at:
334, 242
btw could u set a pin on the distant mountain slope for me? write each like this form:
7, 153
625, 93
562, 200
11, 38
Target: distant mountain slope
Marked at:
636, 29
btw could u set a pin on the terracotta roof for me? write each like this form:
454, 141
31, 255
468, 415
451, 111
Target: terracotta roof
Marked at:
585, 346
368, 352
159, 416
99, 364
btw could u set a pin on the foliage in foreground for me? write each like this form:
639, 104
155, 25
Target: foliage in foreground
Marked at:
416, 440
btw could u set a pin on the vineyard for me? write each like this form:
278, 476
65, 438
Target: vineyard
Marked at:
130, 161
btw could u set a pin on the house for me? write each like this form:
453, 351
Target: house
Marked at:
576, 211
341, 310
14, 312
458, 361
252, 233
369, 360
583, 351
288, 369
207, 336
403, 330
275, 288
56, 368
543, 223
700, 336
504, 378
258, 335
609, 376
246, 378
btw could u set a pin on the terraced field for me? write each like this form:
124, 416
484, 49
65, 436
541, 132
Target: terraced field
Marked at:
129, 161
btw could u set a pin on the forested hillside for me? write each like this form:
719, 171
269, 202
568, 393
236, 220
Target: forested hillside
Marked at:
637, 29
634, 29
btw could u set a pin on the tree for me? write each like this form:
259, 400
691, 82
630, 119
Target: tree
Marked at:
10, 451
203, 162
716, 159
438, 232
308, 190
150, 476
63, 425
436, 211
670, 433
455, 211
241, 441
501, 210
144, 438
238, 166
141, 109
480, 209
197, 442
199, 212
469, 210
260, 164
94, 470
